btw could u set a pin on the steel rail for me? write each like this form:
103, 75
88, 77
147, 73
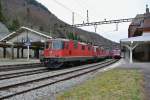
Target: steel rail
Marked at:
19, 74
20, 66
92, 68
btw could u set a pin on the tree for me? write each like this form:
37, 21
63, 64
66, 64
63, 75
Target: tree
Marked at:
41, 28
72, 36
28, 15
2, 18
15, 25
55, 27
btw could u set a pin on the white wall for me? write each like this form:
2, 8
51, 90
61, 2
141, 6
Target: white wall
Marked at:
23, 37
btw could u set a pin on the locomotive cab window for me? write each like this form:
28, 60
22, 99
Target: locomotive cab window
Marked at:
56, 45
48, 45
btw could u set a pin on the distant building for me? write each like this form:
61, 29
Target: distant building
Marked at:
15, 44
140, 24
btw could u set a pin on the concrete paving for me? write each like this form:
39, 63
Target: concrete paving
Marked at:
17, 61
144, 67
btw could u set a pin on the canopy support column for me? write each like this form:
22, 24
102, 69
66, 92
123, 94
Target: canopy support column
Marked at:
18, 52
4, 52
12, 51
131, 58
28, 52
131, 47
22, 52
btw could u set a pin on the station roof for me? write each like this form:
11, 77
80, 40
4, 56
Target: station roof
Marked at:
3, 44
13, 34
145, 38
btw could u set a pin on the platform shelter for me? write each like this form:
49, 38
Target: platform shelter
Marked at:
23, 43
139, 45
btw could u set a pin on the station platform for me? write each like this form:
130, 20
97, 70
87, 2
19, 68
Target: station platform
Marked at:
144, 68
138, 65
18, 61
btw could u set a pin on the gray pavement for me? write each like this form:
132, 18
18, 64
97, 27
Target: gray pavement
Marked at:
144, 67
17, 61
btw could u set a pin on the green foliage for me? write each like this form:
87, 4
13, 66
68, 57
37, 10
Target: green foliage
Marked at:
75, 37
115, 84
34, 2
28, 11
41, 28
72, 36
15, 25
69, 35
2, 18
75, 44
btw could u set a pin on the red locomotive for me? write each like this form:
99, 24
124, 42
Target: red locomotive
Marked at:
116, 54
58, 52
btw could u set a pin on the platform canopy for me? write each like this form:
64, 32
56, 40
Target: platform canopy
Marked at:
133, 42
145, 38
25, 38
20, 33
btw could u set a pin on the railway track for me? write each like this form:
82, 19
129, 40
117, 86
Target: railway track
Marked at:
18, 67
34, 82
14, 74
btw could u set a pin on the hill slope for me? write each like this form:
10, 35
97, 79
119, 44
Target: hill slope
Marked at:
32, 14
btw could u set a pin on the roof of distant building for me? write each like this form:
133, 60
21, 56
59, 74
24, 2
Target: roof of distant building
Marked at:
21, 29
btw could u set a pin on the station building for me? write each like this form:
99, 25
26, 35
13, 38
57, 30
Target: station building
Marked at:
23, 43
137, 46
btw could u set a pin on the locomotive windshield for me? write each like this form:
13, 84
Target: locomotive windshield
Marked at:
55, 44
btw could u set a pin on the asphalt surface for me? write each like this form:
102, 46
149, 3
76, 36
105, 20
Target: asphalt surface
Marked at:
144, 67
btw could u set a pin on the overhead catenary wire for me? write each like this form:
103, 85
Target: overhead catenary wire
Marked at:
64, 6
83, 4
76, 14
67, 8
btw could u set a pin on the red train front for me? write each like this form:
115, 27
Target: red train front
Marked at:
116, 54
58, 52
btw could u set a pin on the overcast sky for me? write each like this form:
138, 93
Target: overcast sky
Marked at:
98, 11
